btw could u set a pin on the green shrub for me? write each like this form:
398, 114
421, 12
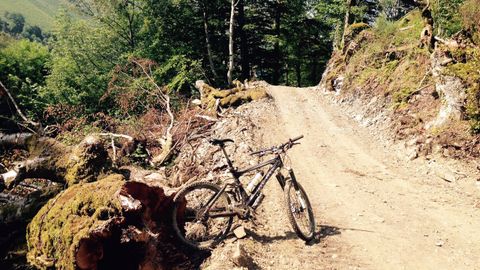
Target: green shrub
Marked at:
446, 16
23, 66
467, 68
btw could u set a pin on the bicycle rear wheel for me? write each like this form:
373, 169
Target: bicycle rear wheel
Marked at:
299, 211
191, 221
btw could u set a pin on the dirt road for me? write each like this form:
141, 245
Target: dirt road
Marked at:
380, 212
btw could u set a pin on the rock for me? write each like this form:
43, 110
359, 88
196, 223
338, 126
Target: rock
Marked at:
240, 232
338, 84
447, 176
412, 153
451, 89
439, 243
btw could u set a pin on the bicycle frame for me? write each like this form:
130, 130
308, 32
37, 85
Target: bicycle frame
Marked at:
246, 199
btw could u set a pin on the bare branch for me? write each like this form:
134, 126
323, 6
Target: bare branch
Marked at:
206, 117
167, 140
20, 113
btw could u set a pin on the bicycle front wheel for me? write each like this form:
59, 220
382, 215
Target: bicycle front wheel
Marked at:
299, 211
192, 222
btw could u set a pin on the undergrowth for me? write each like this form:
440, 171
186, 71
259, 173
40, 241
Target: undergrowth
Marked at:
389, 60
467, 67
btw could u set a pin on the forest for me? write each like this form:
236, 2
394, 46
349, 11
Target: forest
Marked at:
74, 69
77, 63
149, 79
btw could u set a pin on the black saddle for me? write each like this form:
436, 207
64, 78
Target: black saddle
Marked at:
220, 142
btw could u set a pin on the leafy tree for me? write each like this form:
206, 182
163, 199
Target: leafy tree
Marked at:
15, 22
23, 67
124, 18
33, 33
83, 55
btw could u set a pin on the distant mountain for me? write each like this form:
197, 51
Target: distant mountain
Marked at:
36, 12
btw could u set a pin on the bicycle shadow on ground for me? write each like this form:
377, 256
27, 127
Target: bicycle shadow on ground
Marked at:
324, 231
321, 232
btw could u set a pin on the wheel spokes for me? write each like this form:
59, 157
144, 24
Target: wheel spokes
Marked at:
299, 210
199, 226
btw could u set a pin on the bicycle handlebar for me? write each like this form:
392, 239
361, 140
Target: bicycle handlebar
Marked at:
275, 149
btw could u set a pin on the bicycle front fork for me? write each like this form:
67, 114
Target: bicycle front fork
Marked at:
282, 181
298, 192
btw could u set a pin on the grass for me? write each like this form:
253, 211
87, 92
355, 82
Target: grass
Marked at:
389, 60
467, 68
36, 12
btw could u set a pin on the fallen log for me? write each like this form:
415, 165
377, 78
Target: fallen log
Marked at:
108, 224
100, 221
50, 159
210, 96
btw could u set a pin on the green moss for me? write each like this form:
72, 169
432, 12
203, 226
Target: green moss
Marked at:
54, 234
401, 97
467, 68
231, 97
387, 60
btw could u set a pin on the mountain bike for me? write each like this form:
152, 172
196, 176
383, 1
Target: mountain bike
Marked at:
203, 211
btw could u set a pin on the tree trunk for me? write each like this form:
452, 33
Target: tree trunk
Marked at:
426, 37
298, 72
131, 26
52, 160
286, 74
207, 40
277, 54
314, 70
230, 43
107, 224
98, 221
346, 22
244, 55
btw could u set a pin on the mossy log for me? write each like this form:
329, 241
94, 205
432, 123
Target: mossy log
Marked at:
50, 159
227, 98
47, 159
98, 221
108, 224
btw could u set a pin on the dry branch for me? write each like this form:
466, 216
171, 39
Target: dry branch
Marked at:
35, 125
450, 43
115, 135
167, 140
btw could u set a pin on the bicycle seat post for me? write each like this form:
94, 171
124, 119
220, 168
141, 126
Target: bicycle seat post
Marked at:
229, 162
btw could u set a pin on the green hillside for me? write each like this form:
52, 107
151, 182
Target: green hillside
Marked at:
36, 12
